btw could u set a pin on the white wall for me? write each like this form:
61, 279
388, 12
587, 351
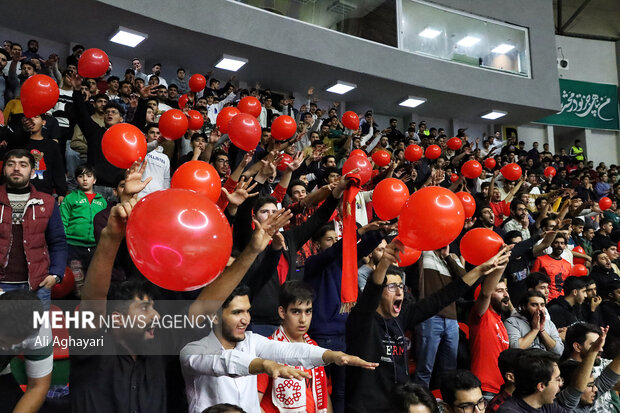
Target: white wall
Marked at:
602, 146
589, 60
531, 133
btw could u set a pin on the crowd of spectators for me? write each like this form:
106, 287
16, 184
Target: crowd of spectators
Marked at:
521, 332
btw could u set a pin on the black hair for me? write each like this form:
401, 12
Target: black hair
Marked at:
212, 81
122, 294
573, 283
113, 105
320, 233
112, 78
577, 334
29, 63
195, 136
223, 408
16, 314
127, 71
101, 96
173, 85
606, 243
5, 53
124, 82
455, 380
325, 158
511, 235
394, 270
294, 291
179, 69
545, 221
410, 394
605, 221
263, 200
151, 125
118, 179
533, 367
568, 368
526, 298
156, 64
239, 290
595, 255
19, 153
296, 182
507, 360
516, 202
76, 47
84, 169
393, 120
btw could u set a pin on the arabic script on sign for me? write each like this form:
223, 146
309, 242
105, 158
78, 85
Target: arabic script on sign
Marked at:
583, 105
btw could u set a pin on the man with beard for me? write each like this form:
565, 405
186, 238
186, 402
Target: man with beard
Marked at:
531, 327
556, 267
486, 218
376, 325
602, 271
156, 71
610, 307
222, 367
518, 220
488, 336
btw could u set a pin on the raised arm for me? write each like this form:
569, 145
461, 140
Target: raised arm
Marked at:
488, 286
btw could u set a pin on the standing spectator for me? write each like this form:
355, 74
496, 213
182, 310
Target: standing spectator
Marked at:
137, 69
113, 87
157, 163
576, 152
4, 58
437, 337
295, 310
72, 59
78, 212
156, 71
181, 81
31, 232
78, 141
602, 187
556, 267
530, 327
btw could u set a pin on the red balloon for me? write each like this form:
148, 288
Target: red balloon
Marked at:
195, 120
39, 93
490, 163
389, 197
93, 63
178, 239
455, 143
358, 152
471, 169
375, 172
183, 100
244, 131
65, 287
251, 105
123, 144
454, 178
512, 172
284, 162
579, 270
350, 120
479, 245
469, 203
198, 176
283, 128
381, 157
550, 172
576, 260
360, 162
197, 83
224, 117
431, 219
433, 152
604, 203
413, 153
173, 124
409, 256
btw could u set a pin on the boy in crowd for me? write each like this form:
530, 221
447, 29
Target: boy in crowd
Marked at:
78, 212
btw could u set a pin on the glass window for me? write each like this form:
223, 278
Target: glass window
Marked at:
373, 20
438, 32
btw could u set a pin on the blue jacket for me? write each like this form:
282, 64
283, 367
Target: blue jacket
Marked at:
324, 273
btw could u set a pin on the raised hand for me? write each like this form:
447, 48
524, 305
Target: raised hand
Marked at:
498, 261
297, 160
133, 179
342, 359
275, 370
264, 232
242, 192
119, 214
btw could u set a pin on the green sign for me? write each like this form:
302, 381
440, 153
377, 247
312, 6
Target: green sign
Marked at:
586, 105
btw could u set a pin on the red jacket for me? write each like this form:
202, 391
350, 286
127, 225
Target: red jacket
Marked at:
45, 244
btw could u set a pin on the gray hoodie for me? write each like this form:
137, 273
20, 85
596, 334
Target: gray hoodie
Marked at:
518, 326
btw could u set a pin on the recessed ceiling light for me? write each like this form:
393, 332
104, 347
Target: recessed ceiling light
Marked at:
494, 114
503, 48
128, 37
412, 102
429, 33
341, 87
468, 41
231, 63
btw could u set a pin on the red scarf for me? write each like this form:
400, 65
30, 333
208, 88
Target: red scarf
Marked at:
289, 395
348, 291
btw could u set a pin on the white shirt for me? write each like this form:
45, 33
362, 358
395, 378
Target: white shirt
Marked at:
162, 81
215, 375
214, 109
157, 167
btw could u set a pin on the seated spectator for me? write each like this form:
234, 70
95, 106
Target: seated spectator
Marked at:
77, 212
375, 327
610, 307
537, 281
415, 398
19, 337
531, 327
506, 362
518, 220
556, 267
223, 365
566, 310
296, 308
460, 392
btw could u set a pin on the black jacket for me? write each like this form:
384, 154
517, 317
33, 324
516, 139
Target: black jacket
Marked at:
376, 339
106, 172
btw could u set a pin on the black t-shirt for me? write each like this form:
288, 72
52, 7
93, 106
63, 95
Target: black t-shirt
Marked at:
49, 167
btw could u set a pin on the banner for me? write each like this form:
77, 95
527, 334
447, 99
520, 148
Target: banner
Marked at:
586, 105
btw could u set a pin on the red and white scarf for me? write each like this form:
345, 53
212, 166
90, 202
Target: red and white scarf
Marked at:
289, 395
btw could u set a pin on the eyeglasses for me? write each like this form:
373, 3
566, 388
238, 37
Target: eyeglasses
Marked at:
224, 161
391, 287
480, 406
